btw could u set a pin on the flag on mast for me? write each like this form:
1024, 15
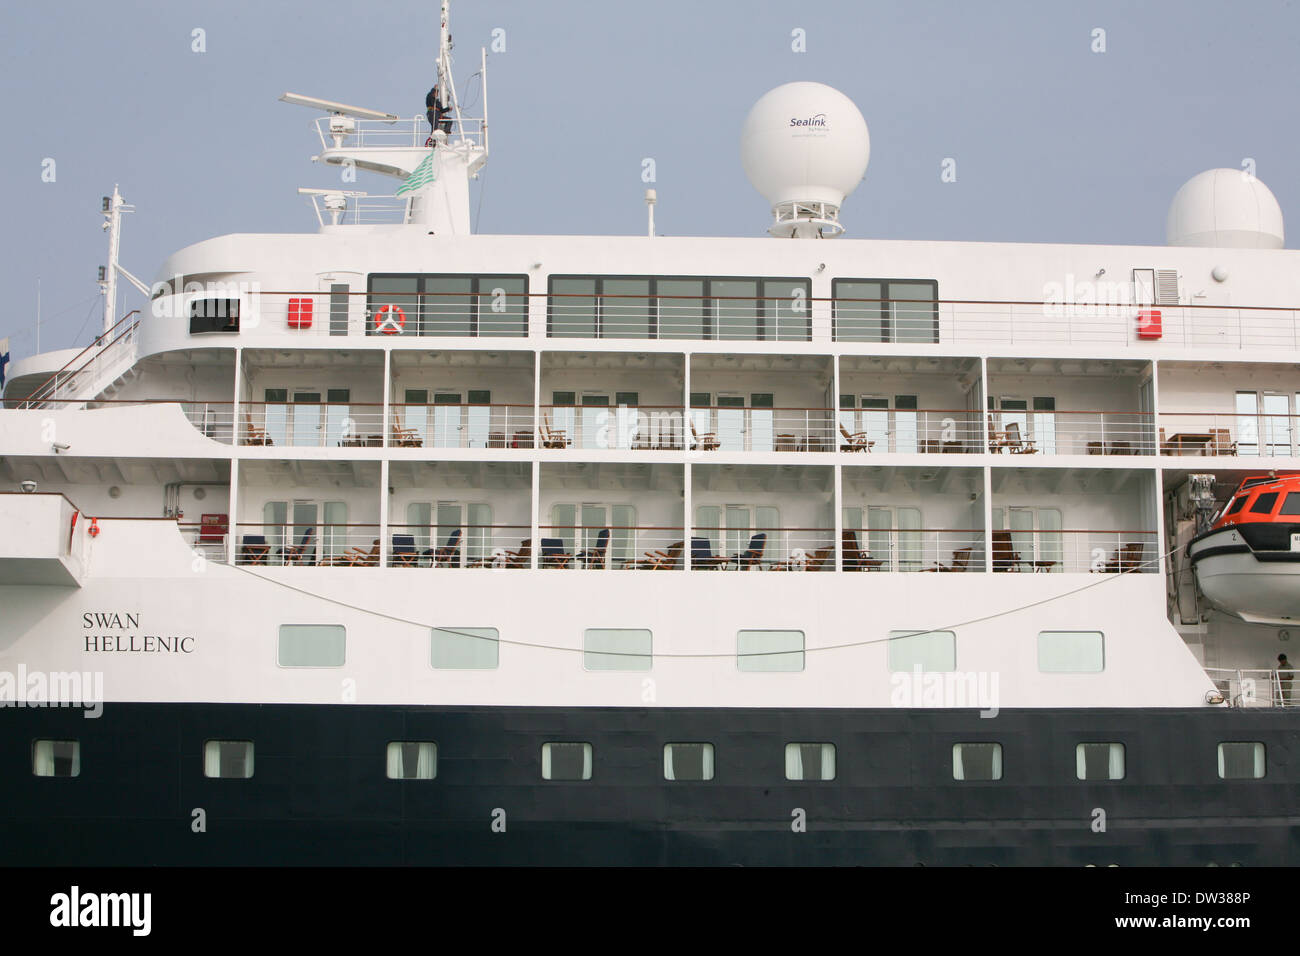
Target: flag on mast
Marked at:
4, 360
422, 175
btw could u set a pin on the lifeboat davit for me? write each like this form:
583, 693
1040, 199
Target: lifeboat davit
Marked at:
1248, 562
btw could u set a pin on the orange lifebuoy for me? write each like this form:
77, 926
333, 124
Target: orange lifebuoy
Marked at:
390, 320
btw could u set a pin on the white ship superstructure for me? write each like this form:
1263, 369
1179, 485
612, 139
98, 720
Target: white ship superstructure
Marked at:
394, 464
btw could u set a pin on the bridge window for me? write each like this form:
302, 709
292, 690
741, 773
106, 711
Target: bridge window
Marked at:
885, 310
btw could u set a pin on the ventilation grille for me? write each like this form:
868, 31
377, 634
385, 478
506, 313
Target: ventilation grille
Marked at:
1166, 287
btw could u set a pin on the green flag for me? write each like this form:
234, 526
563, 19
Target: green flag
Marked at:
422, 175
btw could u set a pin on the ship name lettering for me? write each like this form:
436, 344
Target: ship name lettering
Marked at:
139, 643
109, 620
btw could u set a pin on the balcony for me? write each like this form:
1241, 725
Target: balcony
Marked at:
909, 431
622, 428
1218, 434
308, 545
439, 425
315, 425
1071, 433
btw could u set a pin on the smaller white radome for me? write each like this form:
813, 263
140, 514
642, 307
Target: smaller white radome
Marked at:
1225, 209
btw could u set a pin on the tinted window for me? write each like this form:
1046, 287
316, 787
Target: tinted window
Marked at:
1264, 504
1291, 506
1236, 505
214, 315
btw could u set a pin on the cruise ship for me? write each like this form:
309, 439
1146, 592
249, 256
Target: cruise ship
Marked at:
392, 543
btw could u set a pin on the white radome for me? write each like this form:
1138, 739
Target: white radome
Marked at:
1225, 209
806, 143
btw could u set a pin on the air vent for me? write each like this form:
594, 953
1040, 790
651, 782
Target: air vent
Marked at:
1166, 287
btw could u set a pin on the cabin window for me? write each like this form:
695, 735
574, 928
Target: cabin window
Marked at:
1264, 503
769, 650
412, 760
465, 648
229, 759
616, 649
1237, 505
56, 758
312, 645
1291, 506
1099, 761
928, 651
1241, 761
214, 315
647, 307
885, 310
977, 761
688, 761
1071, 652
810, 761
566, 761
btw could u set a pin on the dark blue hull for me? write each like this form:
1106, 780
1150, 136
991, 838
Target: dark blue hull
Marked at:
320, 794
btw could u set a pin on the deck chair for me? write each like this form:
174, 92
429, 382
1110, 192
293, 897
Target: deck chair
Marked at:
553, 554
703, 558
1015, 444
1164, 445
1222, 443
253, 435
751, 557
595, 557
706, 442
253, 549
552, 437
304, 552
406, 437
359, 557
1004, 559
667, 560
857, 441
997, 439
447, 556
1128, 559
812, 561
853, 558
404, 553
521, 558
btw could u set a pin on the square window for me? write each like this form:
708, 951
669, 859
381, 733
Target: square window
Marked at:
312, 645
56, 758
1241, 761
412, 760
465, 648
231, 759
810, 761
931, 651
977, 761
616, 649
566, 761
769, 650
1099, 761
688, 761
1071, 652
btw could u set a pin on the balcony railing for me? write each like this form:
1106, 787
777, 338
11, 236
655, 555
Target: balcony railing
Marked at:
1071, 433
610, 547
1243, 434
945, 322
1254, 687
461, 426
912, 549
771, 549
619, 427
909, 431
498, 546
311, 425
311, 545
1075, 551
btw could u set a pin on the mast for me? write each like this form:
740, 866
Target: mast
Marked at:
112, 209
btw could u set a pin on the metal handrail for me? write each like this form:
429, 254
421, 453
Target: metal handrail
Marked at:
37, 396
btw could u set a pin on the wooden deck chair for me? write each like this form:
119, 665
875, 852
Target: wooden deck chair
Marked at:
703, 558
997, 439
706, 442
553, 554
304, 552
404, 553
253, 549
448, 555
359, 557
1222, 443
857, 441
253, 435
667, 560
521, 558
1015, 444
751, 557
1004, 559
595, 557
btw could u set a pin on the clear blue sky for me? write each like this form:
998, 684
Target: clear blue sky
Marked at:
1053, 142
